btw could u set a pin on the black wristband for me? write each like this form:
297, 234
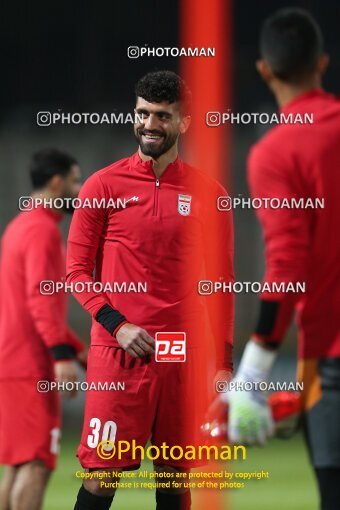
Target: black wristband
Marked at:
109, 318
63, 351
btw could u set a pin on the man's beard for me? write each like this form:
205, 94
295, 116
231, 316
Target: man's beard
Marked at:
68, 207
152, 149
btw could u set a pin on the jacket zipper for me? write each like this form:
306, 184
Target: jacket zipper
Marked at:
155, 201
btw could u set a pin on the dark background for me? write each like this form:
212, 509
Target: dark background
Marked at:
73, 54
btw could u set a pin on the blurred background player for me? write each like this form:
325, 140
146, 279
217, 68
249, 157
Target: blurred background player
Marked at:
35, 341
298, 161
166, 238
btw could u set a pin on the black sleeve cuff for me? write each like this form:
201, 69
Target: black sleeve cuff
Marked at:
109, 318
63, 351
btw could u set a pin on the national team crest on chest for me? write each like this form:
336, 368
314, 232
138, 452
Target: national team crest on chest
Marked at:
184, 204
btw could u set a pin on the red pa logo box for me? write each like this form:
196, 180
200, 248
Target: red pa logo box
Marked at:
170, 347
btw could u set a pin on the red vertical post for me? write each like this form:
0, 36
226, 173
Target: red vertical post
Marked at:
207, 24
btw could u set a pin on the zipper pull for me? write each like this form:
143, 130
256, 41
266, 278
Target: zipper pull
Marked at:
157, 183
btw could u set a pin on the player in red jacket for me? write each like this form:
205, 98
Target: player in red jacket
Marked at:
168, 236
295, 161
36, 343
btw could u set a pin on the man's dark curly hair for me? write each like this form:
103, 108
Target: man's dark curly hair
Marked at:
160, 86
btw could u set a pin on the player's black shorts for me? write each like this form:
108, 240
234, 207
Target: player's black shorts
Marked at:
322, 421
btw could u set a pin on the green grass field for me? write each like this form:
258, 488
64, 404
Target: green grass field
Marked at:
289, 487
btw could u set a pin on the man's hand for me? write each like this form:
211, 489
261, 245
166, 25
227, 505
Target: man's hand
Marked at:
135, 340
250, 421
249, 418
66, 371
